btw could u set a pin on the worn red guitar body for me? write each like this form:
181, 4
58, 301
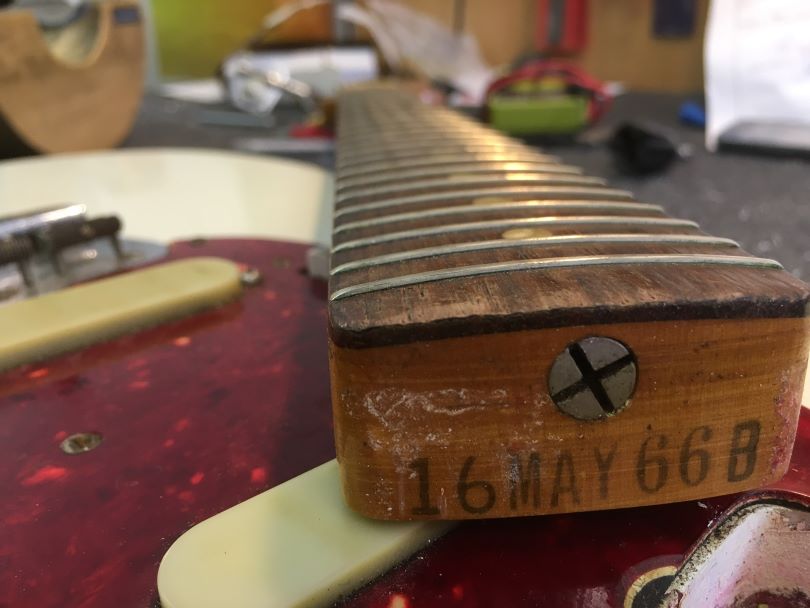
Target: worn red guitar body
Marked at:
196, 415
202, 413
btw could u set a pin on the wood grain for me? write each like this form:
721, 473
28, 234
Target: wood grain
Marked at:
440, 387
486, 398
52, 101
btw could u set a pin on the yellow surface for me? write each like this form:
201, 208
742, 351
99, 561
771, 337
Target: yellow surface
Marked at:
194, 37
294, 545
57, 322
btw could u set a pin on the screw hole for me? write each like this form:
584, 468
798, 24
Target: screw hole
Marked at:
79, 443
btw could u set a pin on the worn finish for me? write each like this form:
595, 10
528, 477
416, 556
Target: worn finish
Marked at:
471, 430
587, 560
442, 343
752, 558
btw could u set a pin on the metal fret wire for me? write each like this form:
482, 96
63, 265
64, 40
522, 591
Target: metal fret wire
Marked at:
548, 264
576, 192
443, 159
346, 162
423, 137
477, 181
480, 209
419, 145
575, 240
594, 220
466, 168
368, 143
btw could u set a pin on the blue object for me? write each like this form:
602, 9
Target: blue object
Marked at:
692, 113
674, 18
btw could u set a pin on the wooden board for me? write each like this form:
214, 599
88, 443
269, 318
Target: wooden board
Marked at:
81, 91
452, 306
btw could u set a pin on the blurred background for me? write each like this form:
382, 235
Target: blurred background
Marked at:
701, 106
608, 38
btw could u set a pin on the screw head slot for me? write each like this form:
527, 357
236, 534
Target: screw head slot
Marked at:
593, 378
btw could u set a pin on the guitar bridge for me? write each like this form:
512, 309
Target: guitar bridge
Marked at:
510, 337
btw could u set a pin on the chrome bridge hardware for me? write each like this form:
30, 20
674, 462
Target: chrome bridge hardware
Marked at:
55, 238
47, 250
28, 223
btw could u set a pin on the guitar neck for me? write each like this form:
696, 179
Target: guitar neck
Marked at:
444, 227
479, 283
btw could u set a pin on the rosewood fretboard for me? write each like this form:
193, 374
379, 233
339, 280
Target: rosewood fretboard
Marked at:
444, 227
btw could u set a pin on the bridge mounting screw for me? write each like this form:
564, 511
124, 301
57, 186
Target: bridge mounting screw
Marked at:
79, 443
593, 378
251, 277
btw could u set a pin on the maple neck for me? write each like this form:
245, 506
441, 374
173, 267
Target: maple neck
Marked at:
444, 227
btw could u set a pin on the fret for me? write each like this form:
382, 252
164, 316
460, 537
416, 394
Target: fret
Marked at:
544, 264
506, 192
385, 165
438, 140
468, 269
496, 150
424, 137
551, 208
517, 233
451, 170
350, 135
573, 240
424, 126
457, 181
505, 224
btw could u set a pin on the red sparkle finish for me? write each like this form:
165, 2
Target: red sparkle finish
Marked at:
202, 413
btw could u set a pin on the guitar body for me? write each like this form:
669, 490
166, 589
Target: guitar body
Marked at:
77, 88
202, 413
195, 415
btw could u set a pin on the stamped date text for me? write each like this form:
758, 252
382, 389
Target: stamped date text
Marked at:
549, 481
